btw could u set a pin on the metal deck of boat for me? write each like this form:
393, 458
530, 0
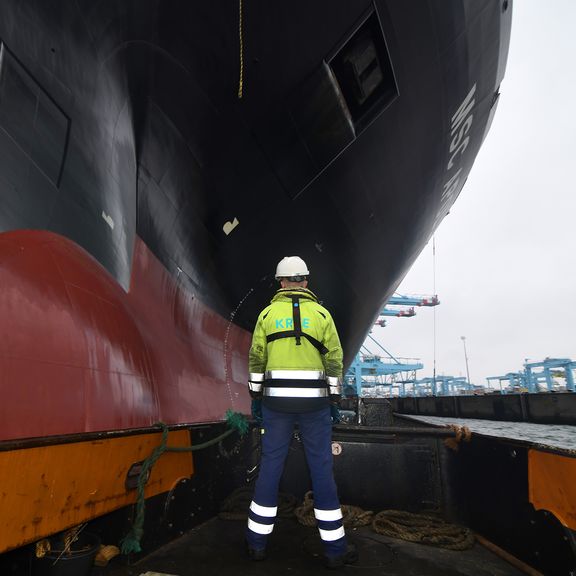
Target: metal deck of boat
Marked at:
216, 548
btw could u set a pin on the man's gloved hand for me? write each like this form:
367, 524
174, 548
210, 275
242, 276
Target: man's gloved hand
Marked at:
257, 410
335, 413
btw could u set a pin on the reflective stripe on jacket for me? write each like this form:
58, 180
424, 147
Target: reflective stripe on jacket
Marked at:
289, 370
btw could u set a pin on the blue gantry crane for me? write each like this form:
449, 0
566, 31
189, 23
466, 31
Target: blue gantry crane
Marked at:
515, 382
538, 374
440, 386
535, 376
402, 313
399, 300
409, 301
369, 370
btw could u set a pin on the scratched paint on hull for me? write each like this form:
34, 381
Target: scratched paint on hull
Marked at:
48, 489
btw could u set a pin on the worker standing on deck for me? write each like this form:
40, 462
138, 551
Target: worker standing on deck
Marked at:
295, 366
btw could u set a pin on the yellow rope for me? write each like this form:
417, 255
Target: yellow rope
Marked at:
241, 80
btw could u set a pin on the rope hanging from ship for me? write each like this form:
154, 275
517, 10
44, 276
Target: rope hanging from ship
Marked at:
241, 39
131, 542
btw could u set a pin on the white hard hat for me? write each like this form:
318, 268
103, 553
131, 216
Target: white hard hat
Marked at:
291, 266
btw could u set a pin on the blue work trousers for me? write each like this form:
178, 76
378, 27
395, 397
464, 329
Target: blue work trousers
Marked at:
316, 434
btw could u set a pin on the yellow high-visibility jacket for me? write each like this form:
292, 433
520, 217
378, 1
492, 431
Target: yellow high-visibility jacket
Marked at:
266, 358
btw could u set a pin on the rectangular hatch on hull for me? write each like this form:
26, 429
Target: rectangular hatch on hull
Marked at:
348, 90
364, 72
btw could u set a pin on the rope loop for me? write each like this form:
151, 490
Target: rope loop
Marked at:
462, 434
131, 542
423, 529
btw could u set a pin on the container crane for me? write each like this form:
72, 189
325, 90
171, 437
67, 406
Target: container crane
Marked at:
399, 300
537, 373
440, 386
405, 312
533, 377
516, 382
408, 302
369, 370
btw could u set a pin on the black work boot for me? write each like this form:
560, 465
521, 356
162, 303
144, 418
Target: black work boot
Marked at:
349, 557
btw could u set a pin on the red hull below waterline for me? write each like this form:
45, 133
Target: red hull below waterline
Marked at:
79, 354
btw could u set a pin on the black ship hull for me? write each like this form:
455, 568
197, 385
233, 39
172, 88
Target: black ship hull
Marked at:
123, 119
144, 205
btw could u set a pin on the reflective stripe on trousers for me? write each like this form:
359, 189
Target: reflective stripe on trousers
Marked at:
261, 518
316, 434
329, 524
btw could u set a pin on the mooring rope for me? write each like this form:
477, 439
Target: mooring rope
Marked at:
461, 434
423, 529
131, 542
420, 528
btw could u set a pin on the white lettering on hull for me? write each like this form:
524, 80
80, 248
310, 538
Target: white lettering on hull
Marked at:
460, 125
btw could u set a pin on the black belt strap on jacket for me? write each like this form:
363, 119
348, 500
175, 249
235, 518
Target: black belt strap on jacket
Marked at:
297, 332
296, 318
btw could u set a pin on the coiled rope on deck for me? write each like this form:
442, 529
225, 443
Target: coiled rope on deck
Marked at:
420, 528
131, 542
423, 529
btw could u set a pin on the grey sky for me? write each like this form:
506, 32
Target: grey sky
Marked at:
506, 254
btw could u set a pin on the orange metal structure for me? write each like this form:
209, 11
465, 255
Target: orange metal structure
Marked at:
47, 489
552, 485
